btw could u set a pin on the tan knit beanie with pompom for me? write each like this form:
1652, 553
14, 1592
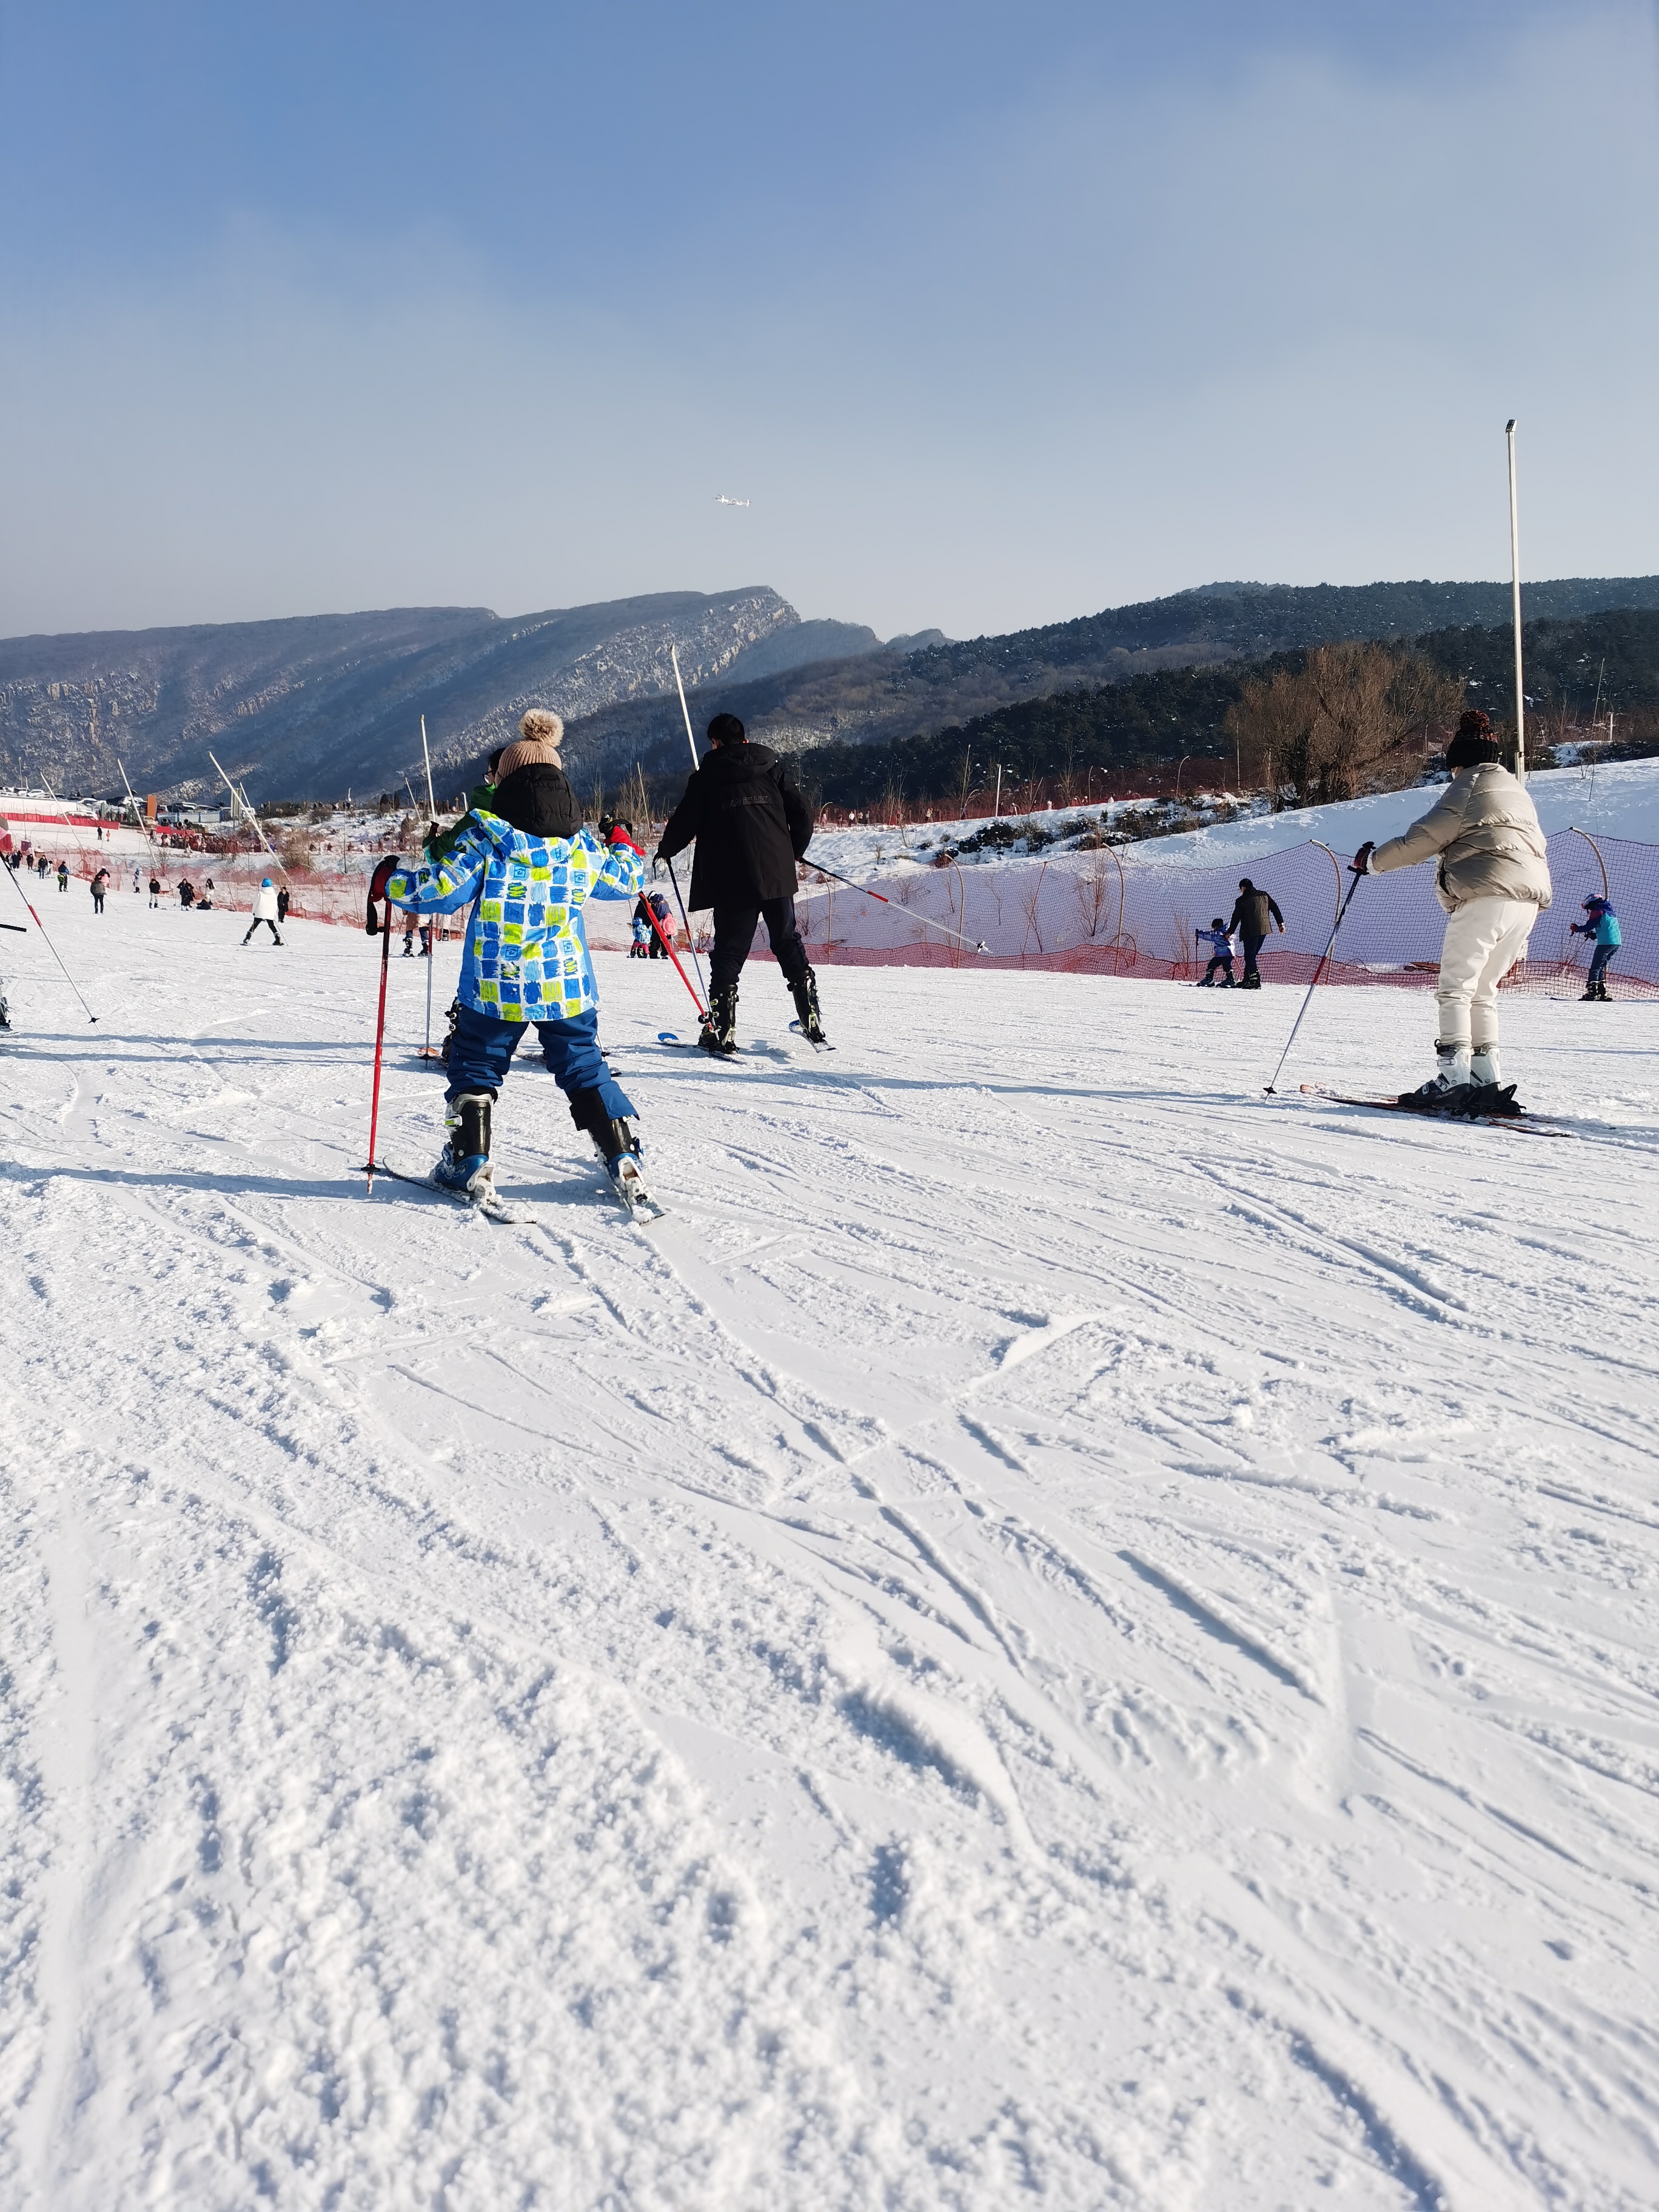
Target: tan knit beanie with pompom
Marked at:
540, 734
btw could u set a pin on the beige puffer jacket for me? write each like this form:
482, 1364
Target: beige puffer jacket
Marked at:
1485, 831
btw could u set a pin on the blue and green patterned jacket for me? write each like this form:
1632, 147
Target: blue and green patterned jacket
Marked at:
525, 959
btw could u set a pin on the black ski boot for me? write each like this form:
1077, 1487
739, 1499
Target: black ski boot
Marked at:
464, 1163
618, 1148
806, 993
720, 1029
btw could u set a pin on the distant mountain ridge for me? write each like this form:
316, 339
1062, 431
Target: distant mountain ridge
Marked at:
896, 694
315, 705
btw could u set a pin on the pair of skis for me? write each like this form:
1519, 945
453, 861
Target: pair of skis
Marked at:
673, 1038
629, 1188
1522, 1121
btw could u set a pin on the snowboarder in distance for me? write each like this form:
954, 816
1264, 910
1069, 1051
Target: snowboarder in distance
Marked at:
526, 866
282, 906
100, 885
264, 910
752, 826
1493, 880
1221, 955
156, 891
63, 875
1250, 918
1603, 925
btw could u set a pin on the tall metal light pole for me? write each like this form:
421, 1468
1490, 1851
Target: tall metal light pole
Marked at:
1514, 589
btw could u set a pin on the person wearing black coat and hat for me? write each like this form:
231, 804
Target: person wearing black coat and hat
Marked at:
751, 825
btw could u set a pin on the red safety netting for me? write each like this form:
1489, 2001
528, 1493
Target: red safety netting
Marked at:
1123, 914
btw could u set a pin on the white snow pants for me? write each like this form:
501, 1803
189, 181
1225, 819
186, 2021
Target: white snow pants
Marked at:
1484, 939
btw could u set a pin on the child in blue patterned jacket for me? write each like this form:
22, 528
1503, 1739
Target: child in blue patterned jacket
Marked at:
1221, 955
526, 866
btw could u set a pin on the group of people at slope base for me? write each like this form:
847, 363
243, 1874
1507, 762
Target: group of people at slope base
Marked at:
524, 863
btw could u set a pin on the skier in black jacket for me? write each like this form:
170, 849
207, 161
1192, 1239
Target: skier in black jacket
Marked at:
1249, 918
751, 825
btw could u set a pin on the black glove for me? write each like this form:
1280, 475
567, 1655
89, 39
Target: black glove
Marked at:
1361, 862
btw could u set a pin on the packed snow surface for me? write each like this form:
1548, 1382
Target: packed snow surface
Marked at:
1061, 1631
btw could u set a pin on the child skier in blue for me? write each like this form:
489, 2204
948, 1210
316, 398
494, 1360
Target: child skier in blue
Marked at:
1221, 956
526, 866
1603, 925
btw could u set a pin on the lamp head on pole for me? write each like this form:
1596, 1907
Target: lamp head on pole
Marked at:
1509, 428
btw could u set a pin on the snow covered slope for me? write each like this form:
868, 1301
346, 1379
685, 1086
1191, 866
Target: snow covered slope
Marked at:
1618, 800
1061, 1630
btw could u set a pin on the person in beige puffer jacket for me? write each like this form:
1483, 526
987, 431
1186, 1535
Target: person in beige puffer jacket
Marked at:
1492, 878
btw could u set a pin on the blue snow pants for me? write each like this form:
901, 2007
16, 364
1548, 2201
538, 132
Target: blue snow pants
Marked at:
1598, 966
482, 1050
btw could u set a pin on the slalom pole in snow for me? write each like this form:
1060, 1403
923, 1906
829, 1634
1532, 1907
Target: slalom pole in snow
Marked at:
974, 946
50, 947
384, 936
686, 919
673, 654
1318, 972
667, 946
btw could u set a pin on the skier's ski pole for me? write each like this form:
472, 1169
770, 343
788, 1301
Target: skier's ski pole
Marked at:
1317, 973
686, 919
432, 925
384, 936
50, 947
669, 949
979, 945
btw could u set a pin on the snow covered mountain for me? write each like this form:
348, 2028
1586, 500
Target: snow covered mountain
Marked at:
323, 703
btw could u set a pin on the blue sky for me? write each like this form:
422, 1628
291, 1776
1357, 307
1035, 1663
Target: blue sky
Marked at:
998, 314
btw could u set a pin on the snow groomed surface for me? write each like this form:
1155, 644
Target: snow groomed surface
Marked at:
1060, 1631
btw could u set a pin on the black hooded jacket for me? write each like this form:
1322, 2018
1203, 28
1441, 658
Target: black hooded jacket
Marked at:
744, 809
538, 800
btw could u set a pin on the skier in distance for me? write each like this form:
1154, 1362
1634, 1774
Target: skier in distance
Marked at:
1221, 955
1251, 910
744, 809
264, 910
1493, 880
1602, 925
527, 865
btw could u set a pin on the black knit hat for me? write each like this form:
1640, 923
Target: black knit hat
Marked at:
1474, 743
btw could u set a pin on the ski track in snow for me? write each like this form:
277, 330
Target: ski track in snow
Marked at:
1060, 1628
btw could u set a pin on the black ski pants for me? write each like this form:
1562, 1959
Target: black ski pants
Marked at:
1252, 948
734, 933
268, 924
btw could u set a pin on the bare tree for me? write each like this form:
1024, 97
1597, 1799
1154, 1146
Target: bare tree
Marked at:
1343, 723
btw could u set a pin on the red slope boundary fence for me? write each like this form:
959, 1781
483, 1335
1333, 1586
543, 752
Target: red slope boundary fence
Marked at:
1111, 913
1108, 911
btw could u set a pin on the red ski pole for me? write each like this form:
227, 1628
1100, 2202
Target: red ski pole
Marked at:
675, 957
385, 935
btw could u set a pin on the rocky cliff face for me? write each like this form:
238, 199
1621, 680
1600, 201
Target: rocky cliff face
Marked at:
320, 704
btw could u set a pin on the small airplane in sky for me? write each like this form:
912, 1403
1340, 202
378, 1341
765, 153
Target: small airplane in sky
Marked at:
720, 500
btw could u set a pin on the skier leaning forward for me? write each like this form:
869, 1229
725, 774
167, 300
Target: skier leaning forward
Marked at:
752, 826
1494, 880
527, 865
